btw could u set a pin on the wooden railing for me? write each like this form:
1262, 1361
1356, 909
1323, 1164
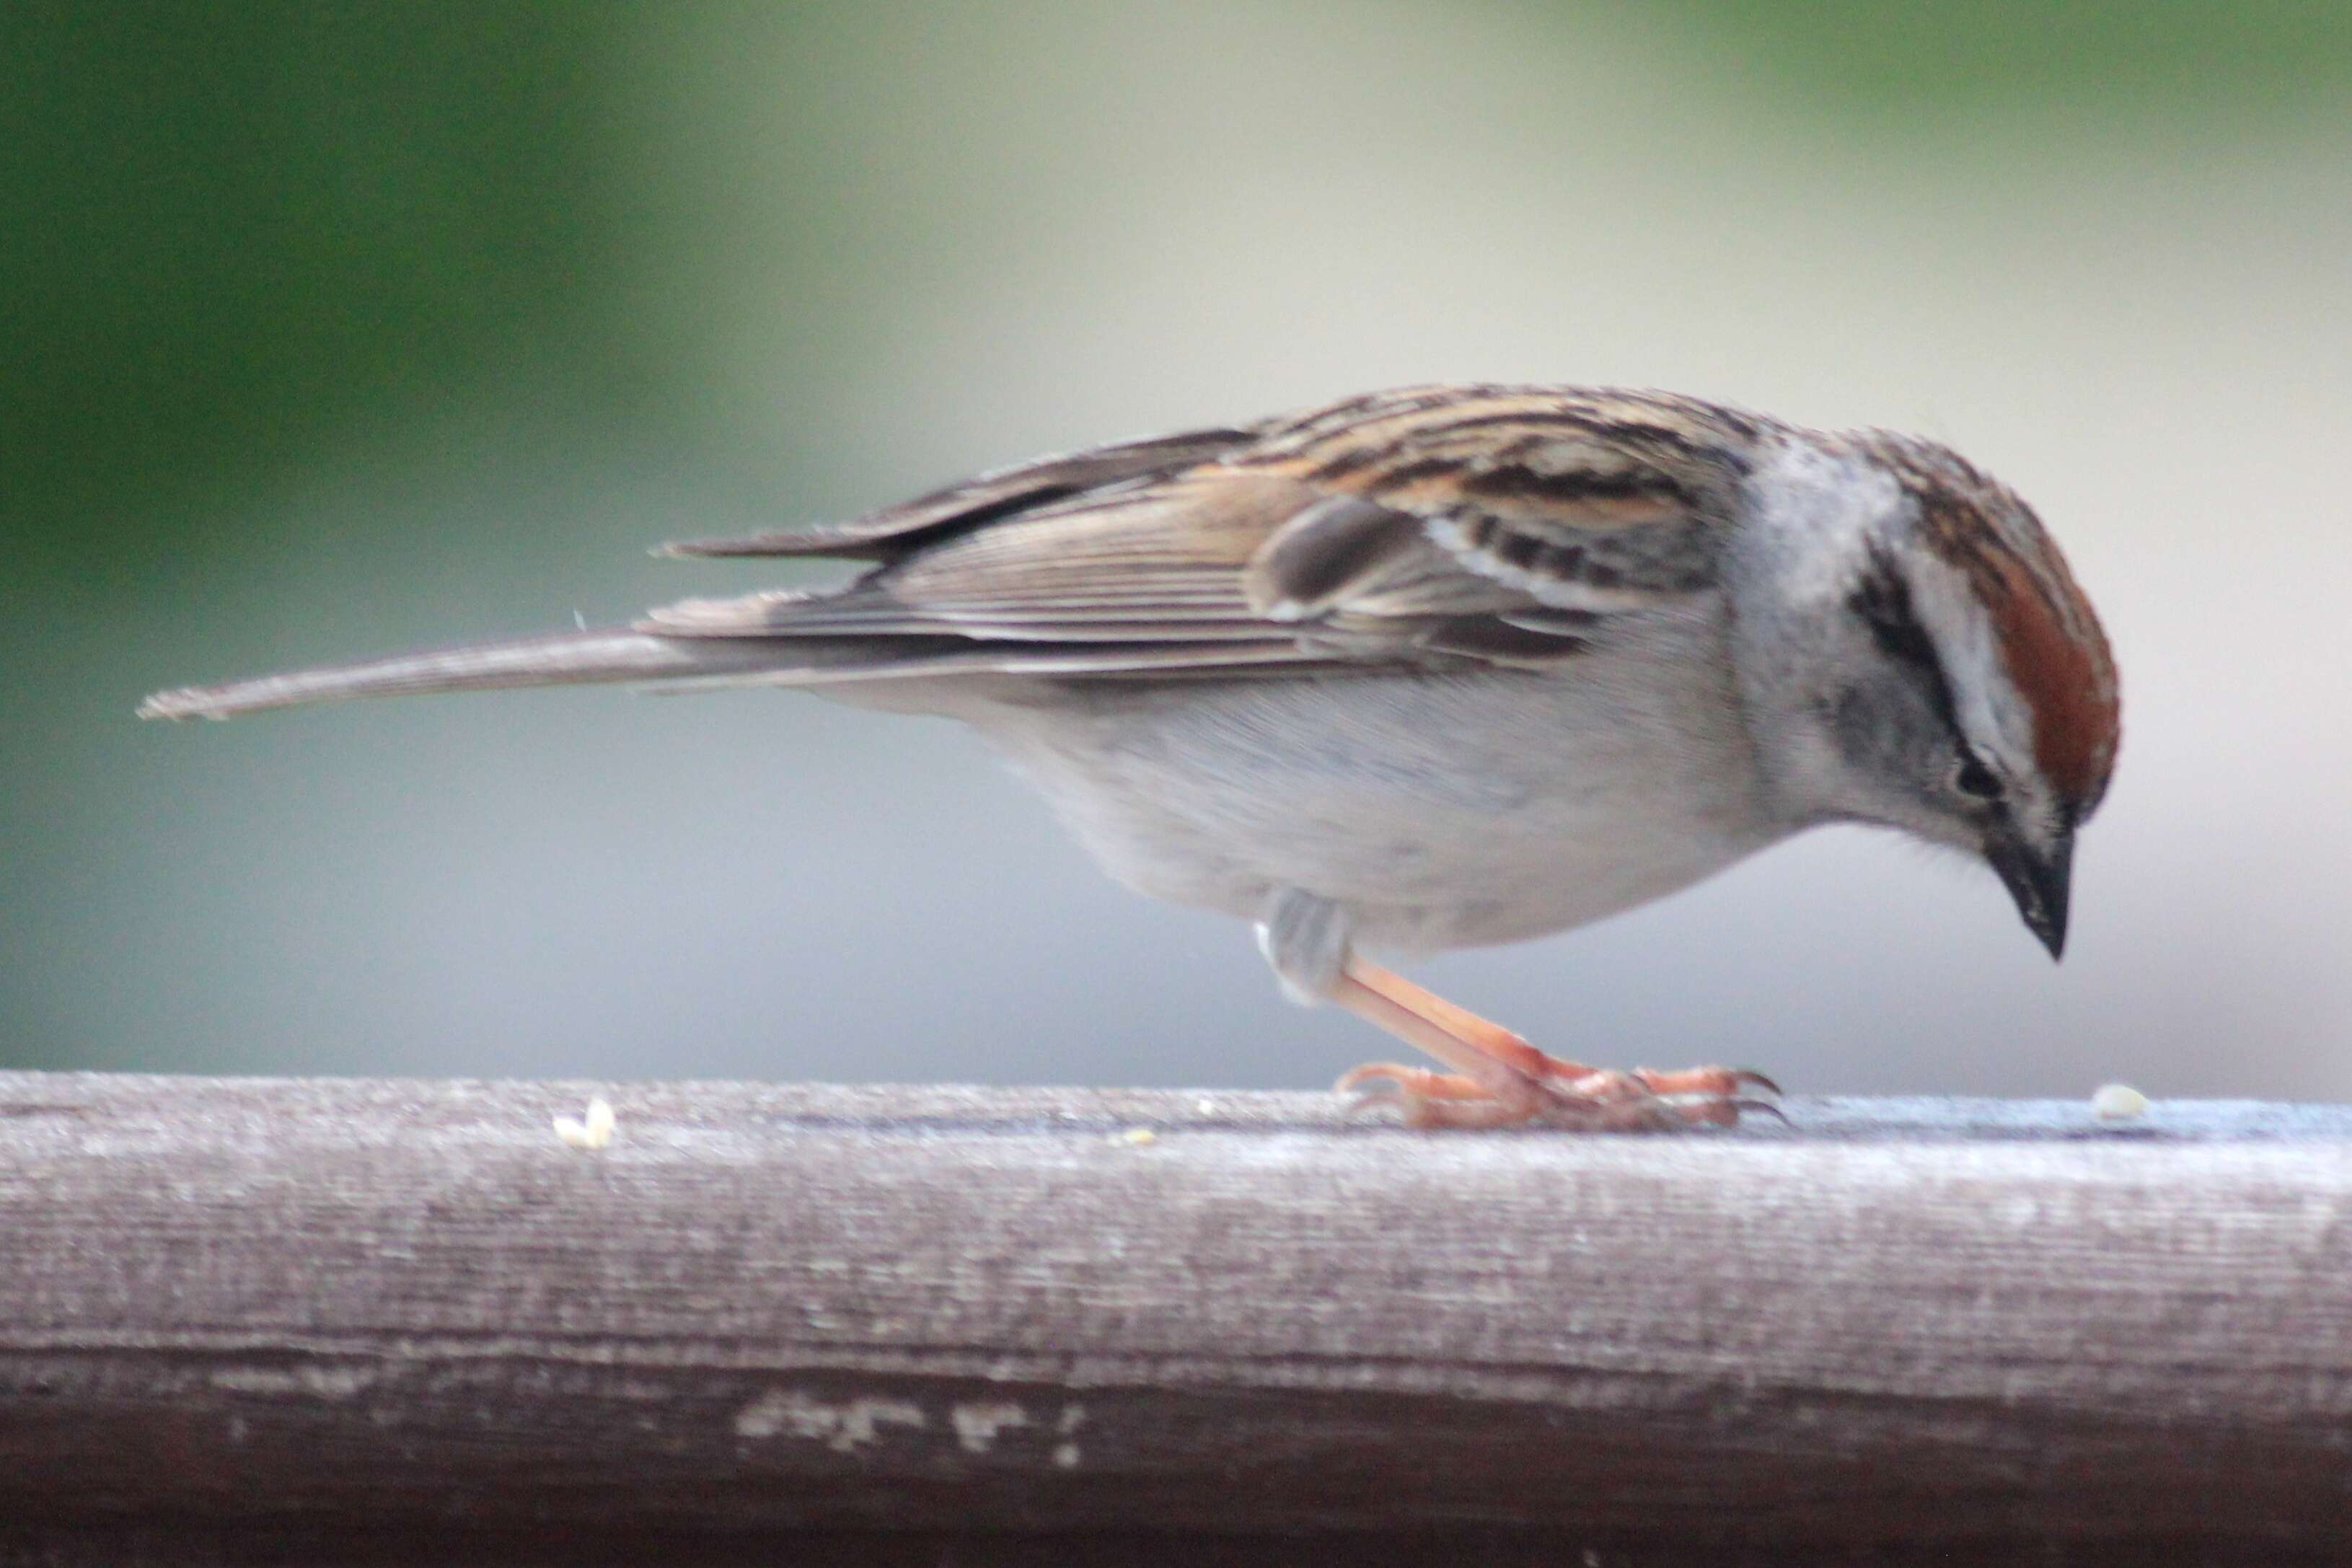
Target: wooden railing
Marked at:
283, 1320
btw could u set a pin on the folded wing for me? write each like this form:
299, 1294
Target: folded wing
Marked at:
1430, 528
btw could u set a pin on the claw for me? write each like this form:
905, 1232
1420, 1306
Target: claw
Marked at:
1375, 1084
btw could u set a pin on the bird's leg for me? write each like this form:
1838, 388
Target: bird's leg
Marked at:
1501, 1080
1498, 1079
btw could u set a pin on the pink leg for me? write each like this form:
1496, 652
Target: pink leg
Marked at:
1500, 1080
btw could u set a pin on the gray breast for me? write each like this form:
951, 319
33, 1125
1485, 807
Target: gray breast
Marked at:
1440, 811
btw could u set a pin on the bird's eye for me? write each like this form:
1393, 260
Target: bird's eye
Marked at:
1975, 780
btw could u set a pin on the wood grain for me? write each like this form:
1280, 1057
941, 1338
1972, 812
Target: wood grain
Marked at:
988, 1321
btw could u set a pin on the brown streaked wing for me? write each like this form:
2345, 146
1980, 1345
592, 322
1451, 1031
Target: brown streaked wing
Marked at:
1164, 566
1488, 525
1151, 562
893, 531
1600, 500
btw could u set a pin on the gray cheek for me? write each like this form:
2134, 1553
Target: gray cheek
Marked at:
1888, 735
1891, 764
1860, 728
1866, 751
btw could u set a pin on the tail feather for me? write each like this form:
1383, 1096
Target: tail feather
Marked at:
559, 658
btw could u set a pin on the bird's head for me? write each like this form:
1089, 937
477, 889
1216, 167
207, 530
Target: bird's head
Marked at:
1927, 662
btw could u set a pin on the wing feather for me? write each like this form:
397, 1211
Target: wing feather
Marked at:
893, 531
1604, 501
1431, 527
1502, 526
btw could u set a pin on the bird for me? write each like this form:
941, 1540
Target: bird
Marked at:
1434, 668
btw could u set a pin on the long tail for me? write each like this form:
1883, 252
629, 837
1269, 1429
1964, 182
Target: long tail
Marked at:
561, 658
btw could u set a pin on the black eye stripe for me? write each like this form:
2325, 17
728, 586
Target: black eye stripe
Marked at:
1881, 597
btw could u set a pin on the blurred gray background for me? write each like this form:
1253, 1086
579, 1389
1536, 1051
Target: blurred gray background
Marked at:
334, 330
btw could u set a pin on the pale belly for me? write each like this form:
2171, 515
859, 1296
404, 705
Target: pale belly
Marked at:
1439, 811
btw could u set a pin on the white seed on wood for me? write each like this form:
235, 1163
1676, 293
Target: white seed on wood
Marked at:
592, 1131
2118, 1102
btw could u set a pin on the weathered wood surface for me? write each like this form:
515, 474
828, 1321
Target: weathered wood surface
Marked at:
405, 1319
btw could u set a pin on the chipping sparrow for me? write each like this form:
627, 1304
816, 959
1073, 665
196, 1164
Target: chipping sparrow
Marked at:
1436, 668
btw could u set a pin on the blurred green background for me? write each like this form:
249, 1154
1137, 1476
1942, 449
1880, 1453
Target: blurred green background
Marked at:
332, 330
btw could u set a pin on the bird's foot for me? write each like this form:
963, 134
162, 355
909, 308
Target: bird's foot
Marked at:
1500, 1080
1564, 1094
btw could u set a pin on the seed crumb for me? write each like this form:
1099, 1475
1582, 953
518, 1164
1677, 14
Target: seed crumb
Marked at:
592, 1131
2118, 1102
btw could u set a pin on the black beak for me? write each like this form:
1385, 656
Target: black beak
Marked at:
2038, 881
